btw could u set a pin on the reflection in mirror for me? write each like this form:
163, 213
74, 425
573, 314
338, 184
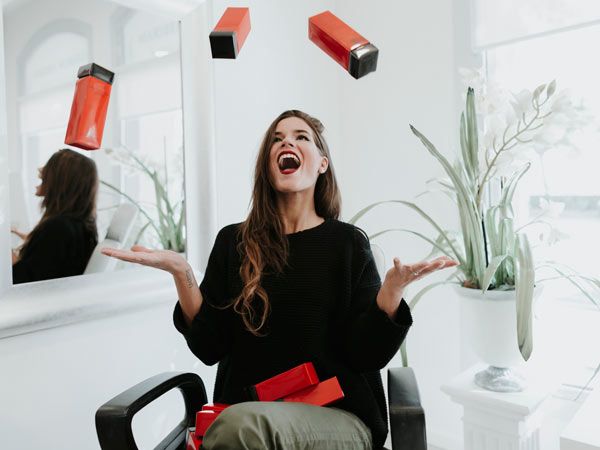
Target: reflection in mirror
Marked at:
140, 164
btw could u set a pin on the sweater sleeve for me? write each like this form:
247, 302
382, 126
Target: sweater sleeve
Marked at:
48, 256
370, 338
208, 335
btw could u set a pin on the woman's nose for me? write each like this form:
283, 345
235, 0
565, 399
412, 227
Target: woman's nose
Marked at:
286, 141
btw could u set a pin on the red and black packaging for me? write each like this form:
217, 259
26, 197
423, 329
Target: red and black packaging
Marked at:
230, 33
90, 104
348, 48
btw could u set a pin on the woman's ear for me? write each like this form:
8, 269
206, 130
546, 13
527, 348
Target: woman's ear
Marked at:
324, 165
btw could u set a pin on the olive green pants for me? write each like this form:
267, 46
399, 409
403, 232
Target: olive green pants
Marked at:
286, 426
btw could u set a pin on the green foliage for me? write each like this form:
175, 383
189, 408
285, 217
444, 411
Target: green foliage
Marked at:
491, 252
169, 228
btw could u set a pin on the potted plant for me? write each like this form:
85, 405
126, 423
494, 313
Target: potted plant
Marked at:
166, 217
497, 275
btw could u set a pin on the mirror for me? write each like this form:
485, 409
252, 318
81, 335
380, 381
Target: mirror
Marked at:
140, 195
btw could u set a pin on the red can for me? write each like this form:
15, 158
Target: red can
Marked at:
90, 104
348, 48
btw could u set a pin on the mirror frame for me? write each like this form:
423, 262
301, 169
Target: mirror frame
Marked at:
47, 304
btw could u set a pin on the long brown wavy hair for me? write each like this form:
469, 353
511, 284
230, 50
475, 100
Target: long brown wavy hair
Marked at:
263, 242
69, 186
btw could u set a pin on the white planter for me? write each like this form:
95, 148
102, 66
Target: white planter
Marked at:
490, 325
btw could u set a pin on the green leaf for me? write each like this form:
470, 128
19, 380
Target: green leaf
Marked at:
403, 353
524, 285
570, 279
414, 207
490, 271
491, 229
551, 89
464, 147
472, 133
425, 238
470, 220
140, 233
142, 211
538, 91
509, 189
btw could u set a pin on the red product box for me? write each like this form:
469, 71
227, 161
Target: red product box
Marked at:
218, 407
192, 441
285, 383
342, 43
230, 33
204, 419
322, 394
89, 107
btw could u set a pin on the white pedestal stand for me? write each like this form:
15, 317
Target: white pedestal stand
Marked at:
498, 421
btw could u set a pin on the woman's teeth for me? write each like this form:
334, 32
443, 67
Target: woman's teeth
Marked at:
288, 163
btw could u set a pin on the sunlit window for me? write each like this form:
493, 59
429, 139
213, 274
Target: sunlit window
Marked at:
537, 42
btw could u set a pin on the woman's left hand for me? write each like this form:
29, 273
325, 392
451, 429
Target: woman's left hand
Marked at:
401, 275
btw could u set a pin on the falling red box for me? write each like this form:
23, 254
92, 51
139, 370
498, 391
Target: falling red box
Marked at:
89, 107
322, 394
286, 383
230, 33
340, 41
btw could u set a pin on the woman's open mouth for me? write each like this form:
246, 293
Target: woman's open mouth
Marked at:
288, 163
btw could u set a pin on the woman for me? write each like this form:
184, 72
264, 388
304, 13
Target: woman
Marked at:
62, 242
293, 284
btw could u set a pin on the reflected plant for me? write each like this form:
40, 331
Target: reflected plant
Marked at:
493, 253
169, 228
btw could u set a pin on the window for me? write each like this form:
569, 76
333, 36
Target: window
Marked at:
525, 44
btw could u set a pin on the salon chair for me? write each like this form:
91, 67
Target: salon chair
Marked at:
114, 418
117, 234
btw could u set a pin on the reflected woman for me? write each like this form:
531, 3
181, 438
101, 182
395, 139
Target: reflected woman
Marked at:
62, 242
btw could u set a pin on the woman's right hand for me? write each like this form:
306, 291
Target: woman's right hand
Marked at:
167, 260
23, 236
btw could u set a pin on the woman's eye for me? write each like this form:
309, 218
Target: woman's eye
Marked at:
276, 139
302, 136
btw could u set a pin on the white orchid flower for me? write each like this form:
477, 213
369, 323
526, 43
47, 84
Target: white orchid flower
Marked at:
521, 102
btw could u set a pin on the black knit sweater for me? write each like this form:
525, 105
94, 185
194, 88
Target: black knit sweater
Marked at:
61, 247
323, 310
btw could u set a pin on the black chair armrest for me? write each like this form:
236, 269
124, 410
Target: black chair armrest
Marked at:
407, 418
113, 419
